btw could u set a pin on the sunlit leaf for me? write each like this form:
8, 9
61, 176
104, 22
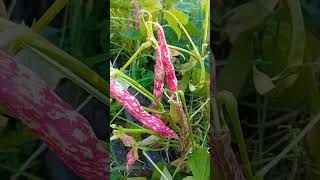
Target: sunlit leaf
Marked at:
182, 17
199, 163
151, 6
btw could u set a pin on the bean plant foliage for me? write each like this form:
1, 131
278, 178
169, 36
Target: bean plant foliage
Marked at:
159, 85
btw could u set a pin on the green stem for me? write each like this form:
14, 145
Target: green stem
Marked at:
153, 111
157, 168
201, 107
186, 32
156, 149
205, 34
138, 131
48, 16
186, 51
143, 46
183, 100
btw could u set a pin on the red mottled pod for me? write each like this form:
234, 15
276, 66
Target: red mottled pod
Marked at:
166, 60
65, 131
159, 75
128, 141
130, 159
132, 105
137, 13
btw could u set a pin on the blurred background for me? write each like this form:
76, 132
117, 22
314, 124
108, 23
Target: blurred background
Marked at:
267, 54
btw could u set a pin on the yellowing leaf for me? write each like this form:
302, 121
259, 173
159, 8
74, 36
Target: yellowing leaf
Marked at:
174, 52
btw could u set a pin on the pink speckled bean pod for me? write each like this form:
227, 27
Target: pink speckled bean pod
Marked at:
130, 159
128, 141
132, 105
166, 60
158, 82
65, 131
137, 13
159, 75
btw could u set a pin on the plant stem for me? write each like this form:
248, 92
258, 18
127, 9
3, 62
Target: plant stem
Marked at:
186, 51
138, 131
157, 168
206, 29
153, 111
143, 46
48, 16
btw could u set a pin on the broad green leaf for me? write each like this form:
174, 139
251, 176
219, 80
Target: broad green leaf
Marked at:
151, 6
173, 23
193, 29
199, 163
166, 174
182, 17
184, 82
262, 82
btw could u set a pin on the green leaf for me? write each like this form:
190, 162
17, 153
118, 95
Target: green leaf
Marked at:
151, 6
193, 29
183, 84
199, 163
262, 82
167, 175
183, 18
186, 67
